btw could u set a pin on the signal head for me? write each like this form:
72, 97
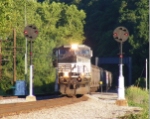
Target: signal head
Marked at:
120, 34
30, 32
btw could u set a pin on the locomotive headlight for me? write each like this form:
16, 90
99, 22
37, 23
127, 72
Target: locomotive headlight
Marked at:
82, 74
66, 74
74, 46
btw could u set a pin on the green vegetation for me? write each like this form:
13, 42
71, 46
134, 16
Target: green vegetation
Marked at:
58, 24
68, 21
103, 16
137, 97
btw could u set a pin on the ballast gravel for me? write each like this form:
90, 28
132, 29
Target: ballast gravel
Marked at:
97, 107
13, 100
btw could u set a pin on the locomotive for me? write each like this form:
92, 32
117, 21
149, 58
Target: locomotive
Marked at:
75, 73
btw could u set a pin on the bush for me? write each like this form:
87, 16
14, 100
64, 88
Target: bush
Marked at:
5, 85
137, 97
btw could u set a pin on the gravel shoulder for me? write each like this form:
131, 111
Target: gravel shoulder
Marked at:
99, 106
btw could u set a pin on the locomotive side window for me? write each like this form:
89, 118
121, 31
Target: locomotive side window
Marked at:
84, 52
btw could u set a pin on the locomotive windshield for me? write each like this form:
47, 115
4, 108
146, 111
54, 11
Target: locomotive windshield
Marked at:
68, 55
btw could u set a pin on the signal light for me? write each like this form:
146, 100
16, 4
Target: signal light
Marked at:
30, 53
121, 56
36, 32
25, 32
126, 34
115, 34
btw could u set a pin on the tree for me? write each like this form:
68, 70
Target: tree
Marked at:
61, 24
104, 16
57, 23
135, 15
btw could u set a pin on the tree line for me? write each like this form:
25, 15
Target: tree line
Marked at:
67, 21
58, 24
103, 16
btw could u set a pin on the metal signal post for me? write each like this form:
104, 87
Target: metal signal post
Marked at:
31, 32
121, 34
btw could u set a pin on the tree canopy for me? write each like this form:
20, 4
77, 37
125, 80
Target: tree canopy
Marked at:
68, 21
58, 24
103, 16
134, 14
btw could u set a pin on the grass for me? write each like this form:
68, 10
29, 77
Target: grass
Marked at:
137, 97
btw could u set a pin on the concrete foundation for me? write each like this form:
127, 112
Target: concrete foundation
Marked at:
121, 102
30, 98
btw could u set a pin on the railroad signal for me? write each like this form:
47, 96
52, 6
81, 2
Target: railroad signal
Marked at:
121, 34
30, 32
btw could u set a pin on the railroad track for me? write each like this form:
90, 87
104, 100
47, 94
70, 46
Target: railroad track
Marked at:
25, 107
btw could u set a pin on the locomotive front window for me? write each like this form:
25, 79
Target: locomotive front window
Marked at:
62, 51
66, 55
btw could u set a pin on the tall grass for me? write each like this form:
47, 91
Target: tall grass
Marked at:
138, 97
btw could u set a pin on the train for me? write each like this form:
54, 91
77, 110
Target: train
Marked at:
75, 73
